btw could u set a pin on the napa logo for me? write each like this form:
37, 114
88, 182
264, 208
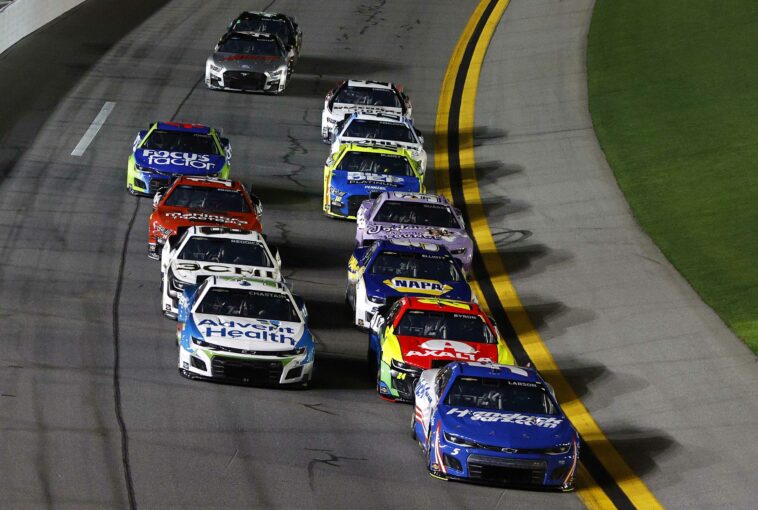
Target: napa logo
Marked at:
418, 286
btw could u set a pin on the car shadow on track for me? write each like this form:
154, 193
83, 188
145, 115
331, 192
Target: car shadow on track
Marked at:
343, 68
336, 372
640, 447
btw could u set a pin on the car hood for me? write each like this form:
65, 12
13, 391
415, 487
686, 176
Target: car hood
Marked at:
395, 286
342, 110
181, 216
249, 334
192, 271
452, 238
361, 183
506, 429
422, 351
179, 163
252, 63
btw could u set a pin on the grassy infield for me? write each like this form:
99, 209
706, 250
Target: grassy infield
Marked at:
673, 88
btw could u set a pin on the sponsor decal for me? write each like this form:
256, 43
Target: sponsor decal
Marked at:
201, 216
452, 356
418, 285
498, 417
216, 268
198, 161
400, 231
364, 178
438, 345
268, 331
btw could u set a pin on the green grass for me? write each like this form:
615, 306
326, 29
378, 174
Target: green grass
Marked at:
673, 87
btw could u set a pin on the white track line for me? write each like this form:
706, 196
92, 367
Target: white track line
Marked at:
94, 128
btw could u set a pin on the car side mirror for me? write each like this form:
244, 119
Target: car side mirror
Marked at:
551, 390
492, 320
257, 205
159, 196
224, 141
278, 259
300, 302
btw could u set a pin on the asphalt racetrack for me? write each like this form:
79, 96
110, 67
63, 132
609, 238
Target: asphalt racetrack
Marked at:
93, 411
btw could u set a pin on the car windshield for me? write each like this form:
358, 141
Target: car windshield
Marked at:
368, 96
252, 304
445, 326
500, 394
209, 199
375, 130
180, 141
416, 265
376, 163
263, 26
416, 213
241, 252
242, 45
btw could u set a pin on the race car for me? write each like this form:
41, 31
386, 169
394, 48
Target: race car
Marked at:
362, 96
244, 330
494, 424
381, 129
417, 333
427, 218
168, 149
248, 62
200, 201
382, 273
355, 171
283, 26
201, 252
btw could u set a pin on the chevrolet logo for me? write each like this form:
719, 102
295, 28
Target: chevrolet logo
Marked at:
508, 450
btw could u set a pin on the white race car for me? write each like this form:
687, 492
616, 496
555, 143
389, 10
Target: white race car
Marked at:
244, 330
362, 96
381, 129
201, 252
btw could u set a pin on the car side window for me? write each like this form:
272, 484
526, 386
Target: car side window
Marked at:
443, 376
369, 253
392, 315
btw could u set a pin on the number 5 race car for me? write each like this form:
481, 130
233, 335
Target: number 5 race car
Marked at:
168, 149
496, 424
201, 252
245, 330
421, 333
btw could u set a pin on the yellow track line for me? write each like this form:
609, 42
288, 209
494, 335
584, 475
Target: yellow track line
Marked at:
589, 492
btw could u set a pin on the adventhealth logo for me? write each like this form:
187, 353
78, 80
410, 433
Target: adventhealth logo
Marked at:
252, 330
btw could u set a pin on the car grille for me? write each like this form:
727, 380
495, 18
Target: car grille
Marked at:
354, 202
247, 371
244, 80
507, 471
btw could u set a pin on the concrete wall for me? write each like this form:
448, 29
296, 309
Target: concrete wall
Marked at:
23, 17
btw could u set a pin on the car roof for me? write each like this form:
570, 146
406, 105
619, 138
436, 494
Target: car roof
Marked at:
495, 371
226, 233
370, 84
407, 196
208, 182
259, 284
184, 127
443, 305
383, 149
411, 246
262, 14
380, 117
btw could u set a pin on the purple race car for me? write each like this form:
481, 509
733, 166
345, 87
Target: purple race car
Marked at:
415, 217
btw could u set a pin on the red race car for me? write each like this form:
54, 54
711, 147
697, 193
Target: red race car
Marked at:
419, 333
201, 201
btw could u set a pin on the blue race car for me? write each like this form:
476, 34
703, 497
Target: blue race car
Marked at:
244, 330
497, 424
356, 171
168, 149
385, 271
